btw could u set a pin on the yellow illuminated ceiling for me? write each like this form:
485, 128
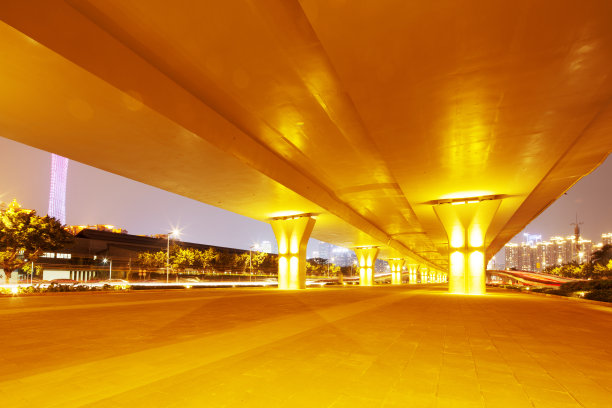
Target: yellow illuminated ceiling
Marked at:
361, 112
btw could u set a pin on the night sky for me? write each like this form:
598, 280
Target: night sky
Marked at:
98, 197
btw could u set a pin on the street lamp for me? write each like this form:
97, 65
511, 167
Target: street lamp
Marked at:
110, 267
256, 246
175, 232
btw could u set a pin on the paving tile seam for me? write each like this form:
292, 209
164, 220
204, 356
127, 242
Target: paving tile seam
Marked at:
160, 364
551, 375
524, 384
507, 364
118, 304
8, 310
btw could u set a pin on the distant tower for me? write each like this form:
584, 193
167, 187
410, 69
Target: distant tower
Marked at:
577, 234
57, 193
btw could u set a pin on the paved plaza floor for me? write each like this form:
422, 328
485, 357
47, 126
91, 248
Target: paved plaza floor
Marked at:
406, 346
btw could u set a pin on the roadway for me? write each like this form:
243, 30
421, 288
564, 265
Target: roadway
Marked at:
406, 346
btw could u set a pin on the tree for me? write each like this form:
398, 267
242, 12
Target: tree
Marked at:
270, 264
151, 261
316, 266
205, 259
257, 259
346, 270
334, 270
603, 255
25, 236
182, 258
241, 261
225, 260
27, 268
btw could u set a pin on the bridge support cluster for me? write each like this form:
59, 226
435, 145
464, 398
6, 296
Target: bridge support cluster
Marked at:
366, 259
396, 270
466, 226
292, 234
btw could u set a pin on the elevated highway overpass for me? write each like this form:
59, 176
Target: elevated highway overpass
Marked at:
423, 132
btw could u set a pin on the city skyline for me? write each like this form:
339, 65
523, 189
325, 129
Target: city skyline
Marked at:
599, 239
98, 197
535, 254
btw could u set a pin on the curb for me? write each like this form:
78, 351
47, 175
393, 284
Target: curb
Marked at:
574, 299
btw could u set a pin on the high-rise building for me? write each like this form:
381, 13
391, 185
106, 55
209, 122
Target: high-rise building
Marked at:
343, 256
606, 238
325, 250
525, 261
542, 254
57, 191
563, 249
586, 250
545, 255
532, 239
266, 246
512, 255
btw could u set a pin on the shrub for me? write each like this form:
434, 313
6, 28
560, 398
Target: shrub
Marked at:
602, 295
602, 284
540, 290
575, 286
558, 292
579, 286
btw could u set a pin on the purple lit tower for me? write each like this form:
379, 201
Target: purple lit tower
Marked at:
57, 194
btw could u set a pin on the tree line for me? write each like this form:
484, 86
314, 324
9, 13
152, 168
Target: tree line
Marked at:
182, 259
26, 236
599, 267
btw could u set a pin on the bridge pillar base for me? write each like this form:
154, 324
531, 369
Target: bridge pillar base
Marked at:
466, 226
412, 274
292, 235
366, 258
424, 274
396, 271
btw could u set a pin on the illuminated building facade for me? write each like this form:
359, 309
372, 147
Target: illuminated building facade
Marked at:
82, 260
343, 256
530, 256
57, 191
75, 229
325, 250
512, 255
266, 246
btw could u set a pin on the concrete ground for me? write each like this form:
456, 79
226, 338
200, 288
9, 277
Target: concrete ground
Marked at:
408, 346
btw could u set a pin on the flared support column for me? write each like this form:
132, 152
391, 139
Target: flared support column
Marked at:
366, 258
466, 224
396, 270
292, 235
412, 273
424, 274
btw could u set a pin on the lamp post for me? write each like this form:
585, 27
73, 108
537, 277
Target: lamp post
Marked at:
110, 267
175, 233
256, 246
